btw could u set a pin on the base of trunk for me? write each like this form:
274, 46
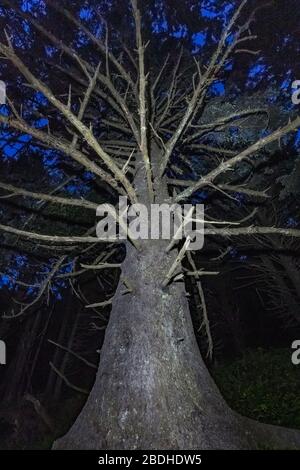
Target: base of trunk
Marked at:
153, 390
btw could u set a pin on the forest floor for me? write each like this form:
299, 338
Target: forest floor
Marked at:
262, 384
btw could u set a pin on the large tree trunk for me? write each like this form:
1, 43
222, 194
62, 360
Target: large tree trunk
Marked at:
153, 390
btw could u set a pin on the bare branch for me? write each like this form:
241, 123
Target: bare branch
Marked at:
82, 359
102, 48
74, 120
67, 381
47, 197
252, 230
99, 267
61, 145
106, 303
144, 144
204, 307
42, 290
53, 238
243, 190
229, 164
177, 262
205, 81
221, 123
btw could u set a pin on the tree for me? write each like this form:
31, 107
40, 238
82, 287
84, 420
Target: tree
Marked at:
133, 120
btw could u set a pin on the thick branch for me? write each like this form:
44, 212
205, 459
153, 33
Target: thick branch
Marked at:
47, 197
252, 230
52, 238
144, 144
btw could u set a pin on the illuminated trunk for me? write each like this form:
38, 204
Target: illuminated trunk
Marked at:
153, 390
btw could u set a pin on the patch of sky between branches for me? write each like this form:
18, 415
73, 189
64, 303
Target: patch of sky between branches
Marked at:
87, 14
50, 50
256, 74
11, 151
291, 222
214, 9
30, 6
199, 40
9, 279
217, 88
286, 83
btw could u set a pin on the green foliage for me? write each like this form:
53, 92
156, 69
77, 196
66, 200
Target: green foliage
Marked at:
263, 385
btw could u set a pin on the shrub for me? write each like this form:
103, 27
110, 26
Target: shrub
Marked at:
263, 385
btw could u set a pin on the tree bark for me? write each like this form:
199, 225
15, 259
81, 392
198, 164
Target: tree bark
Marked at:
153, 390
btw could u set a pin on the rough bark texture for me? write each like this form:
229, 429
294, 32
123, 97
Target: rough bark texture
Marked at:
153, 390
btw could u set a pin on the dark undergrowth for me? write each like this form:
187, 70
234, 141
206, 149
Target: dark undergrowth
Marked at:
21, 428
262, 385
